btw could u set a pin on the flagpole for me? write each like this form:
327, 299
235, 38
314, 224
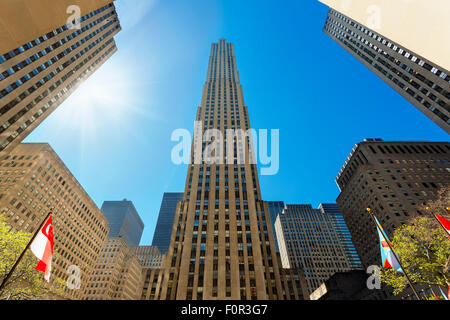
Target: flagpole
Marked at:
23, 252
395, 255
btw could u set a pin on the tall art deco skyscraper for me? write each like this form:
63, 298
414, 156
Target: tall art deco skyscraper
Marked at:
44, 58
222, 243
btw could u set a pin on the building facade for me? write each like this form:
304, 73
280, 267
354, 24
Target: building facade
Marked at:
163, 230
33, 180
405, 22
151, 263
422, 82
149, 256
275, 208
394, 178
117, 274
308, 240
222, 243
293, 283
124, 221
37, 76
40, 18
344, 235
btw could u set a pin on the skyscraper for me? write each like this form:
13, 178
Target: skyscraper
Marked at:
222, 244
393, 178
275, 208
41, 70
393, 44
124, 221
345, 237
33, 179
117, 274
163, 230
308, 240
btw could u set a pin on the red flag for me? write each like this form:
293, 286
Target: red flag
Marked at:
42, 247
434, 294
445, 223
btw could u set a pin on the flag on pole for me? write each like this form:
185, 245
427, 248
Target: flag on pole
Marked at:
445, 223
388, 257
434, 294
443, 294
42, 247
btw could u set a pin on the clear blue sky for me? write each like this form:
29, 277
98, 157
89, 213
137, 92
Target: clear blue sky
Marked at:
114, 132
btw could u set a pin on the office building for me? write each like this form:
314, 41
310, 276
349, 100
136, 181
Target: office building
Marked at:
149, 256
124, 221
45, 59
344, 235
275, 208
33, 180
151, 263
222, 243
163, 230
308, 240
117, 274
394, 178
393, 40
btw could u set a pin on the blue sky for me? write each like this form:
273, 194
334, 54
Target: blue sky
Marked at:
114, 132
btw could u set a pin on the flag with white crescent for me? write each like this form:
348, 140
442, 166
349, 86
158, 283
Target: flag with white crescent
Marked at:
42, 247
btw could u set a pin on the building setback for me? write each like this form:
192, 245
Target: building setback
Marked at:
307, 240
124, 221
222, 244
422, 82
33, 179
163, 230
393, 178
39, 74
117, 274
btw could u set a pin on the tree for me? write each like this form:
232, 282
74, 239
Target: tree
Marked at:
423, 248
26, 282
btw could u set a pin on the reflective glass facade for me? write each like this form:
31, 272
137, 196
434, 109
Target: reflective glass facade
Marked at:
163, 230
124, 221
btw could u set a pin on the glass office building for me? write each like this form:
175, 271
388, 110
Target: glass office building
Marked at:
124, 221
163, 230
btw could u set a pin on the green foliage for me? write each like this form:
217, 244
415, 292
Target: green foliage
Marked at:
424, 251
26, 282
